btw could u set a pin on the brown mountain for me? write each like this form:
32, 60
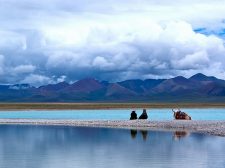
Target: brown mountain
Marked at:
196, 88
177, 85
118, 91
85, 85
54, 87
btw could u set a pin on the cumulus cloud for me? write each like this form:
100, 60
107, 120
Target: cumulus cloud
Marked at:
23, 69
61, 79
53, 41
37, 80
147, 48
1, 64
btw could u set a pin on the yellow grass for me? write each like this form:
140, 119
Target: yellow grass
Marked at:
64, 106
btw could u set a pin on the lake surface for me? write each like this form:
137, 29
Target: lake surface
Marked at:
83, 147
123, 114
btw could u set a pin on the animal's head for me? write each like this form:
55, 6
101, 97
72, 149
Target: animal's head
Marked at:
174, 114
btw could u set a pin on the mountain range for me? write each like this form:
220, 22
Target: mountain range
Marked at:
198, 88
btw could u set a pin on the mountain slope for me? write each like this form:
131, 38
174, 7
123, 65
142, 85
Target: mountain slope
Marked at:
54, 87
85, 85
140, 86
197, 88
201, 77
177, 85
117, 91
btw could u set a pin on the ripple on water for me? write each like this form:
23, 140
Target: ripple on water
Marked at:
62, 146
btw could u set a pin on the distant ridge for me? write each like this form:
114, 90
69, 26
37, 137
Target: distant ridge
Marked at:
198, 88
85, 85
202, 77
54, 87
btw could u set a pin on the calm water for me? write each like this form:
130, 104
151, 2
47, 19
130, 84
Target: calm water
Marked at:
77, 147
154, 114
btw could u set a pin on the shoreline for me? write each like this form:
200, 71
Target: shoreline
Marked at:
96, 106
205, 127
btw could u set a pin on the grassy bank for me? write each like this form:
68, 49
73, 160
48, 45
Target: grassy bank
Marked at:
64, 106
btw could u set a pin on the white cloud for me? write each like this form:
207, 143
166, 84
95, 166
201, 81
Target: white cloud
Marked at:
61, 79
11, 40
37, 80
23, 69
1, 64
196, 60
102, 63
172, 49
109, 40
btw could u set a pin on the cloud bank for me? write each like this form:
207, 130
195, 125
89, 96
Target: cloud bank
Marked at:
52, 41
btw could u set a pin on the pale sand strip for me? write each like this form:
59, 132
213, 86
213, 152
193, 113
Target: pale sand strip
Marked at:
206, 127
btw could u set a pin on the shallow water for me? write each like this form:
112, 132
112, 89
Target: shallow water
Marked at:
154, 114
76, 147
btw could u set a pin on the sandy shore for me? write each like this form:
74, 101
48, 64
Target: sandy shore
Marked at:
206, 127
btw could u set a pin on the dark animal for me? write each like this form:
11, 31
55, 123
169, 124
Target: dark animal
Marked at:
133, 115
178, 115
144, 115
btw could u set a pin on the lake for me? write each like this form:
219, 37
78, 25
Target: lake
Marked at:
114, 114
82, 147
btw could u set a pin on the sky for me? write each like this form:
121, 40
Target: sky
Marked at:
51, 41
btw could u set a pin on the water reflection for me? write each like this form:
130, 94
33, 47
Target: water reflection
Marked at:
177, 135
69, 147
144, 133
180, 134
133, 133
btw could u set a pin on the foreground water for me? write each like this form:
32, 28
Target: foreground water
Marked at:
116, 114
76, 147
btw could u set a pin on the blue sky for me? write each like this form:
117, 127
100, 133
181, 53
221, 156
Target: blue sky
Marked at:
56, 40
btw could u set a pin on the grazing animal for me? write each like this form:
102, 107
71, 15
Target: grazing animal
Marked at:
144, 115
178, 115
133, 115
